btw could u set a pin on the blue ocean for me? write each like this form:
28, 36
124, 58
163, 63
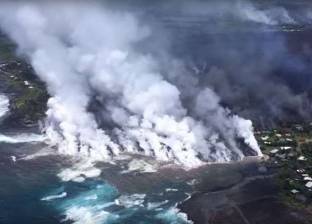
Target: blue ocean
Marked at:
31, 192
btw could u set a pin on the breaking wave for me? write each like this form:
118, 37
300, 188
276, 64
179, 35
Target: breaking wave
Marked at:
16, 138
21, 138
53, 197
96, 202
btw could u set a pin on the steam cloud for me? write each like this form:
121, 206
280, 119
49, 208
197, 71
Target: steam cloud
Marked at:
109, 97
237, 9
255, 55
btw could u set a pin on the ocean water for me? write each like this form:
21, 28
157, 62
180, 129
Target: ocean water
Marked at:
31, 191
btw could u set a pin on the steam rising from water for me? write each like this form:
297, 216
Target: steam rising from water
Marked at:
237, 9
87, 53
4, 105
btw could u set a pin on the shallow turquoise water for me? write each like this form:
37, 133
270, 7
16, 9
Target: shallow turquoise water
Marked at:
98, 202
31, 193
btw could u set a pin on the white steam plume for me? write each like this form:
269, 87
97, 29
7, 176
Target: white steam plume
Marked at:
273, 16
237, 9
82, 51
4, 105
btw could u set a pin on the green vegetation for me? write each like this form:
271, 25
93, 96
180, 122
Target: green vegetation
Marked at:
289, 150
31, 104
7, 49
28, 95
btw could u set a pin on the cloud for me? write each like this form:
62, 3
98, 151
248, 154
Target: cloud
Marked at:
87, 53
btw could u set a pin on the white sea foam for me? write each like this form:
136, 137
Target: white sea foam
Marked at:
86, 215
171, 190
91, 197
132, 200
174, 215
22, 138
142, 166
16, 138
53, 197
72, 174
155, 205
46, 151
80, 171
13, 158
192, 182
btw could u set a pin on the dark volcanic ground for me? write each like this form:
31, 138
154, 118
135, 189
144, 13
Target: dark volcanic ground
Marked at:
239, 193
245, 193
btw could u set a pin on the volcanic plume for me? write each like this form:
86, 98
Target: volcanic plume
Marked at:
108, 95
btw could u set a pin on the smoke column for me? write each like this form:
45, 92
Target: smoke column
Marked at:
256, 55
237, 9
85, 53
4, 105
